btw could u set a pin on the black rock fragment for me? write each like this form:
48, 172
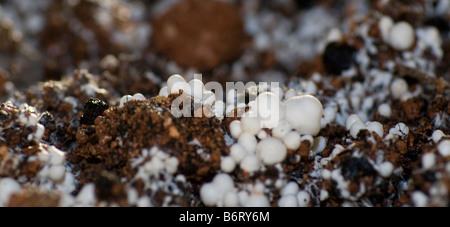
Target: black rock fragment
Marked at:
92, 109
338, 57
353, 168
47, 120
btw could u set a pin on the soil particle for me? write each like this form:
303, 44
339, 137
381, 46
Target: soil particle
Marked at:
304, 149
109, 188
338, 57
354, 168
92, 109
413, 108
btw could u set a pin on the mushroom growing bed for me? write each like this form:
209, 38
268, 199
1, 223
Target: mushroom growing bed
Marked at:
128, 103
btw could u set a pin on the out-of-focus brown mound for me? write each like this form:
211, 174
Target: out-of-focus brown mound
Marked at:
33, 197
200, 33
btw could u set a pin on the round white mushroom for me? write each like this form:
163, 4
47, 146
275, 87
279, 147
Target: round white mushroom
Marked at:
304, 113
401, 36
271, 151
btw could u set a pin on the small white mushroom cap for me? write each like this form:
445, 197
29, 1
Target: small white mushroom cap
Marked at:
57, 157
132, 196
323, 195
109, 62
385, 110
428, 160
444, 148
212, 193
125, 99
290, 188
376, 127
385, 25
277, 91
401, 36
231, 199
329, 114
319, 144
437, 135
173, 79
288, 201
303, 198
326, 174
385, 169
139, 96
248, 141
250, 123
235, 129
271, 151
40, 130
87, 195
164, 91
144, 201
281, 130
208, 97
269, 109
333, 35
224, 182
309, 138
261, 134
197, 88
250, 163
350, 120
8, 186
419, 199
219, 108
56, 173
304, 113
237, 152
290, 93
402, 129
208, 195
356, 127
292, 140
257, 200
227, 164
171, 165
243, 197
180, 85
399, 87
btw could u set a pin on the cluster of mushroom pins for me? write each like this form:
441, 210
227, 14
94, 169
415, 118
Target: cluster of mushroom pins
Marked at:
291, 117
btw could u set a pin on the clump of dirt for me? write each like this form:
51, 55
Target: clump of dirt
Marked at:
14, 132
93, 108
33, 197
120, 134
200, 34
